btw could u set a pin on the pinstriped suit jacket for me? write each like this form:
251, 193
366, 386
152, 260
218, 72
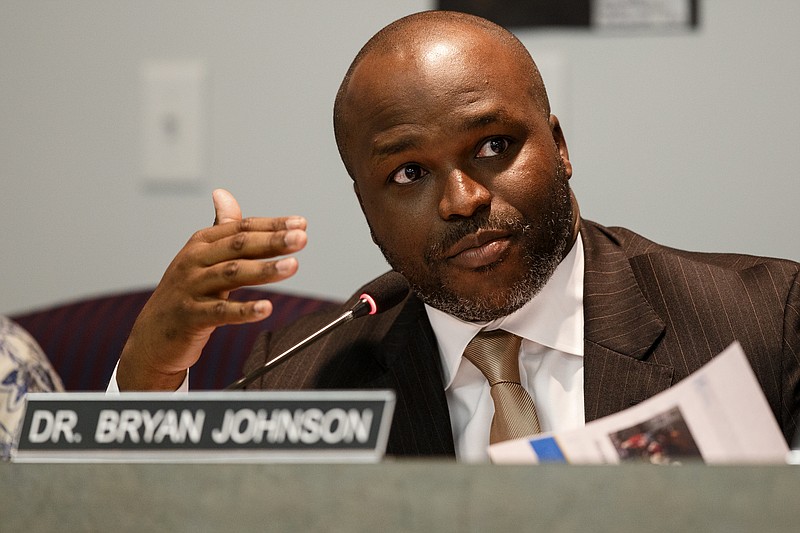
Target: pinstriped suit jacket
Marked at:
653, 315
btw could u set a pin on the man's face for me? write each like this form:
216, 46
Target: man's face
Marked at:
461, 174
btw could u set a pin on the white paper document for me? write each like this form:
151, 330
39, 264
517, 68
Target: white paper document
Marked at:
716, 415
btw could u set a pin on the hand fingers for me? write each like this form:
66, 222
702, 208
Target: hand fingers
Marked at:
226, 208
232, 312
252, 245
206, 269
213, 313
253, 224
230, 275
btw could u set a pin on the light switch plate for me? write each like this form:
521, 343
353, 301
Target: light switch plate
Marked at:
173, 121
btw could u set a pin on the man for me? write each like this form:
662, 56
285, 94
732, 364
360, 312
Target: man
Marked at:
443, 123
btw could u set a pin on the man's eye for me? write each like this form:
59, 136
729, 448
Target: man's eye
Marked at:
493, 147
408, 174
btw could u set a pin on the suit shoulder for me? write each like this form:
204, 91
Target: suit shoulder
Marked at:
635, 246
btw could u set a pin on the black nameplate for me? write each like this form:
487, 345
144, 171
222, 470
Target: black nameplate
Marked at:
263, 426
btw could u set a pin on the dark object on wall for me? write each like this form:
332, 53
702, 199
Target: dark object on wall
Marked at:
656, 14
511, 13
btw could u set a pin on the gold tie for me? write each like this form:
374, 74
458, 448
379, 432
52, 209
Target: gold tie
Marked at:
496, 354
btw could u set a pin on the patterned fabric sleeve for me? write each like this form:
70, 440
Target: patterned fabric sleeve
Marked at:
23, 368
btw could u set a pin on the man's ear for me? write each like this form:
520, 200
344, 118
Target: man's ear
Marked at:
361, 205
358, 195
561, 144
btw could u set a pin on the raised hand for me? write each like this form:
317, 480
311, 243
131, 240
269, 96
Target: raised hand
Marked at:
191, 300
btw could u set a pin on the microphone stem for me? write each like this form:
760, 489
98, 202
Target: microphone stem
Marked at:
275, 361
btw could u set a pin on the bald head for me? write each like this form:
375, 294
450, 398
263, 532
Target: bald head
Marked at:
418, 38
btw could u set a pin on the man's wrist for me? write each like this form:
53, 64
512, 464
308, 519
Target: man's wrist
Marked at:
132, 376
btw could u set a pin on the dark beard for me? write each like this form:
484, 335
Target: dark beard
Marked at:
544, 242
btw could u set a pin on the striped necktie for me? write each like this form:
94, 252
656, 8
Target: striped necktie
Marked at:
496, 354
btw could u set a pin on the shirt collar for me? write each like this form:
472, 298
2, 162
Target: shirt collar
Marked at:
552, 318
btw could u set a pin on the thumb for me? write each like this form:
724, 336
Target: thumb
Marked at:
226, 208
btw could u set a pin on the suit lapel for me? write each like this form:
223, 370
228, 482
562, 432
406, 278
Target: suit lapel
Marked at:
410, 356
394, 350
620, 330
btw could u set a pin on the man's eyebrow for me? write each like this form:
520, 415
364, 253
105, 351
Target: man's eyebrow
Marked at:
394, 147
484, 119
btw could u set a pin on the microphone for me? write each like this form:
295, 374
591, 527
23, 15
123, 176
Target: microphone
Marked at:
380, 295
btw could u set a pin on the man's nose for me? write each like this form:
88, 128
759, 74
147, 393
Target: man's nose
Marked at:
462, 196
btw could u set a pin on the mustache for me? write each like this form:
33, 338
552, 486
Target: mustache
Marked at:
457, 230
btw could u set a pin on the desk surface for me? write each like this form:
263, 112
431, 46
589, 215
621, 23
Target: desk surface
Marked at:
397, 496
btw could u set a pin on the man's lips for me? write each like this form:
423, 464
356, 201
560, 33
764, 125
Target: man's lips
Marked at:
479, 249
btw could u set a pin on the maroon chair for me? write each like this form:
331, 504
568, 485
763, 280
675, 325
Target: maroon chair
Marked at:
83, 339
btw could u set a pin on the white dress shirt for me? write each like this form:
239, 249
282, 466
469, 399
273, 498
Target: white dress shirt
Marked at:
551, 360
